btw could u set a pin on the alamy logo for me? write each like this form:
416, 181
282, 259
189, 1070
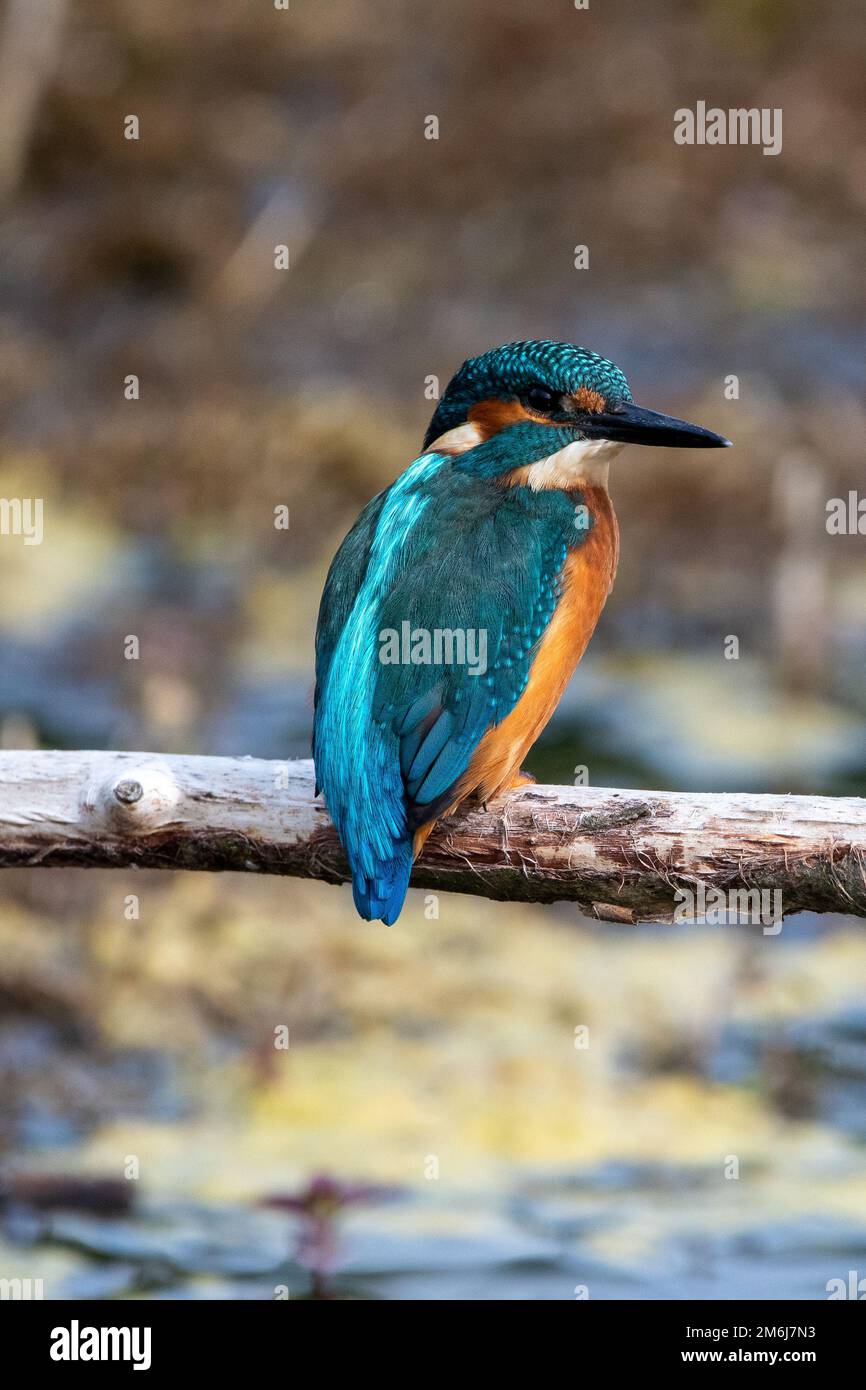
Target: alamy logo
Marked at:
739, 125
846, 516
21, 1289
855, 1288
77, 1343
443, 646
715, 907
22, 516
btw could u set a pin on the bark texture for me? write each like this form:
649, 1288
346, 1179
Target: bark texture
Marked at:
622, 855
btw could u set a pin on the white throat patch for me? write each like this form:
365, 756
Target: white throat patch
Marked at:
582, 461
459, 440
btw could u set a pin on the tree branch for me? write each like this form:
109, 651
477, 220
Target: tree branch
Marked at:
622, 855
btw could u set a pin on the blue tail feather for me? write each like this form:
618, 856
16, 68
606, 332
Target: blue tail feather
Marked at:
381, 897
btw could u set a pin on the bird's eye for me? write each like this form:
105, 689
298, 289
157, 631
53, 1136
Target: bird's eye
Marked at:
539, 398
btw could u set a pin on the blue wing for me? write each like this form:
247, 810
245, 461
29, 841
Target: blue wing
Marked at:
440, 552
491, 577
341, 589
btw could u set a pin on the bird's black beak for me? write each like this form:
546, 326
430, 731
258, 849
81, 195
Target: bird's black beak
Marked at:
630, 424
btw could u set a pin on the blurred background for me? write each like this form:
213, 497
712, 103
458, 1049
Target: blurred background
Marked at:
432, 1130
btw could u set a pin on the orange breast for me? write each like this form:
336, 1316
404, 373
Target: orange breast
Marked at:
588, 577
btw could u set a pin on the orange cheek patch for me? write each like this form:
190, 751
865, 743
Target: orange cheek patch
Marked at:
587, 399
489, 417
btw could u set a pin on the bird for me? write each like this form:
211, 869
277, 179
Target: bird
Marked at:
501, 538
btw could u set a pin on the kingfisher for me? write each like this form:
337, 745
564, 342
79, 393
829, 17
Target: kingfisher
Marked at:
460, 602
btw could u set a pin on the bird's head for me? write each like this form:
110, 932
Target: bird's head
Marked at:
540, 397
